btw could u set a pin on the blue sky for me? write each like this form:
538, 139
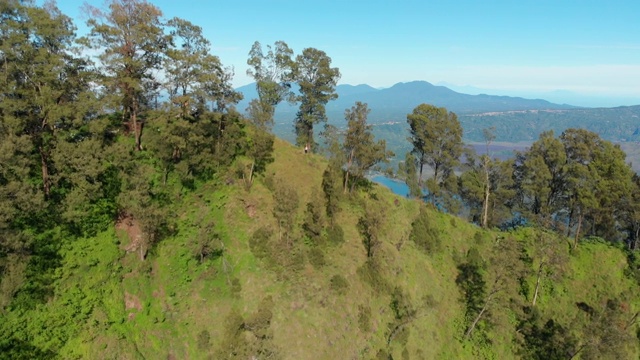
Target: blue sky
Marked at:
520, 47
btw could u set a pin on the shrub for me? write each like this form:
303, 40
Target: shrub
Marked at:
339, 284
370, 273
335, 235
259, 243
364, 318
316, 257
423, 235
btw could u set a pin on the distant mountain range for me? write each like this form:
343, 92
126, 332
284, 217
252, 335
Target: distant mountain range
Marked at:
396, 102
516, 119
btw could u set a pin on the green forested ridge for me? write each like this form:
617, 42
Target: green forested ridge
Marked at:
142, 216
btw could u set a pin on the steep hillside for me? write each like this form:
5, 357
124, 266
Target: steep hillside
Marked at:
232, 283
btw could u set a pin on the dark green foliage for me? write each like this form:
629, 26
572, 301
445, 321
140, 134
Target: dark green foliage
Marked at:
314, 219
128, 71
339, 284
19, 349
401, 304
370, 227
74, 160
543, 339
409, 171
286, 205
260, 321
234, 344
316, 257
272, 73
364, 318
335, 234
207, 243
235, 286
608, 332
404, 313
261, 151
260, 244
40, 270
331, 187
371, 274
436, 136
472, 284
579, 180
360, 150
423, 234
633, 267
317, 80
258, 324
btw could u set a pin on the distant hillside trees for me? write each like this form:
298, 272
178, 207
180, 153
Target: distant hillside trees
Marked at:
576, 182
436, 137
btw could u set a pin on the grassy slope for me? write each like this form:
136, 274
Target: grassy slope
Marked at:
127, 309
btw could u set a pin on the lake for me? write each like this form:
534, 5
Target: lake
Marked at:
397, 186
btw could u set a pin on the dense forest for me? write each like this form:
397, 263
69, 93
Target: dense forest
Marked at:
142, 215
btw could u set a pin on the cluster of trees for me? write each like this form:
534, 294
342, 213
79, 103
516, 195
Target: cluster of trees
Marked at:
87, 141
275, 70
577, 183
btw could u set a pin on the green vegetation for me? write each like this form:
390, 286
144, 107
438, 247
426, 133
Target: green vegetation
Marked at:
134, 227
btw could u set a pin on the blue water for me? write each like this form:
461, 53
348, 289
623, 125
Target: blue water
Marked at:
400, 188
397, 186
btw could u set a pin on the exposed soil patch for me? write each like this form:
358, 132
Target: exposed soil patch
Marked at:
129, 225
132, 302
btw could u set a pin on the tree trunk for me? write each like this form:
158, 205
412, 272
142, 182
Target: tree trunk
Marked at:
569, 223
633, 241
631, 322
137, 128
251, 172
575, 240
487, 192
435, 174
45, 173
535, 293
346, 181
578, 351
475, 321
346, 175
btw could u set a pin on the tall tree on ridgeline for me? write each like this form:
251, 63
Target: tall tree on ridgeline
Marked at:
195, 81
362, 153
194, 77
130, 35
317, 80
272, 74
